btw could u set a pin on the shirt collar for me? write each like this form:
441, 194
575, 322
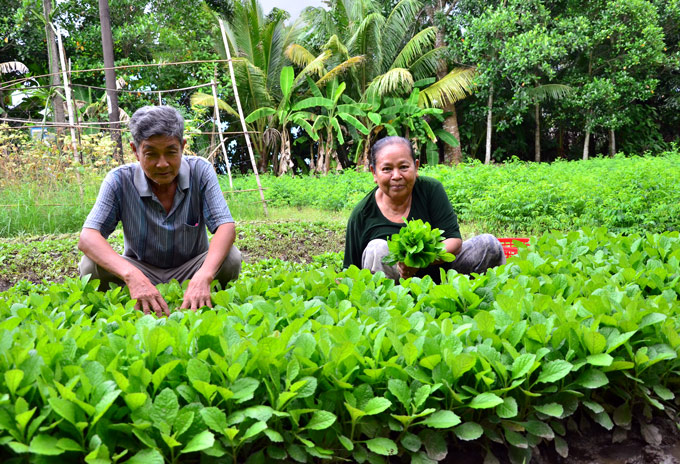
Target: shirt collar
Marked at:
142, 183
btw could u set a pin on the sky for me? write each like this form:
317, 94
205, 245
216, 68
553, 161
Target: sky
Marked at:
293, 7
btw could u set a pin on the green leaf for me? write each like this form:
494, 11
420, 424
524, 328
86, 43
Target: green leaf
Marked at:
602, 359
411, 442
485, 401
522, 365
508, 409
45, 445
651, 319
165, 407
554, 370
199, 442
254, 429
346, 442
135, 401
540, 429
469, 431
259, 114
442, 419
163, 371
400, 390
592, 378
595, 342
198, 370
321, 420
551, 409
663, 392
382, 446
146, 456
376, 406
13, 378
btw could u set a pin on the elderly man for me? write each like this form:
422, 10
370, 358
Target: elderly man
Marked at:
165, 201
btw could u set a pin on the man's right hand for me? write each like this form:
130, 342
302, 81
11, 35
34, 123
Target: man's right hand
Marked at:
147, 295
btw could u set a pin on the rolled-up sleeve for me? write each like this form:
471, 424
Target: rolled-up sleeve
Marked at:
215, 209
105, 213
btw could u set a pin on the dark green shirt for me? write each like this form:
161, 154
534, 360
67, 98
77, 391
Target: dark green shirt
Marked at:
366, 223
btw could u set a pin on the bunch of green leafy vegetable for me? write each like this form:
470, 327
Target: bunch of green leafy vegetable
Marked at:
417, 245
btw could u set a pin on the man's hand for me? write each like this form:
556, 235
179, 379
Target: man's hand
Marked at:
148, 297
198, 293
405, 271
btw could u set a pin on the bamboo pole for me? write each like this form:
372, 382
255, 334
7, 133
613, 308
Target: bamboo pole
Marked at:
219, 129
69, 104
240, 114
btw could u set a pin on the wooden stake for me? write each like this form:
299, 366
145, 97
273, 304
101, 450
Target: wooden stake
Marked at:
69, 104
243, 121
219, 130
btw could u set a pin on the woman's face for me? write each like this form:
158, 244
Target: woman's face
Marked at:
395, 171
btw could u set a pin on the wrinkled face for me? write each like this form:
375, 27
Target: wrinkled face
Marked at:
160, 157
395, 171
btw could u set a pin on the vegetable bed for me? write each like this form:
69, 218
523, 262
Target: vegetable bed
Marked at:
302, 363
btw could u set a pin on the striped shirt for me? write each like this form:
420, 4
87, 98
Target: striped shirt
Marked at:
151, 235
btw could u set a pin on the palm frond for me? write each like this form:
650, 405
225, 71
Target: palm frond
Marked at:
543, 92
299, 55
336, 46
398, 23
339, 69
13, 66
360, 43
453, 87
426, 66
394, 81
252, 85
315, 67
203, 99
416, 47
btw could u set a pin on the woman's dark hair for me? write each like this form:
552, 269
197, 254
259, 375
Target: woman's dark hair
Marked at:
386, 141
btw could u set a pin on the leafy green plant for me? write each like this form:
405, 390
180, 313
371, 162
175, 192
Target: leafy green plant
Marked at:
417, 245
303, 363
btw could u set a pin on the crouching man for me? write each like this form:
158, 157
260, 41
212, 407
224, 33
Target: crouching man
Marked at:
165, 201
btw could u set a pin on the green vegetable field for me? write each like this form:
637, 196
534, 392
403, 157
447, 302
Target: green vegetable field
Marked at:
302, 363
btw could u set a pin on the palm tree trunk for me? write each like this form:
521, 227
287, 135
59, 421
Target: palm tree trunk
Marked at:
537, 136
586, 144
452, 155
489, 127
612, 143
110, 76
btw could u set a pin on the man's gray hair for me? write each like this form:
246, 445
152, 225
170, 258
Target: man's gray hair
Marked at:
156, 120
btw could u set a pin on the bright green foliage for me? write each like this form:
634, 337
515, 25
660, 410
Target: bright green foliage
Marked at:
303, 364
417, 245
622, 194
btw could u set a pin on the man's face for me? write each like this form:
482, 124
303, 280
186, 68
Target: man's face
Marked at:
160, 157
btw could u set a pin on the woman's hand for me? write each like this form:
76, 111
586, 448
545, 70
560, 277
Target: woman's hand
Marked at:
405, 271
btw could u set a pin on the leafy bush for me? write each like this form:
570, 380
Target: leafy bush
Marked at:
298, 363
624, 194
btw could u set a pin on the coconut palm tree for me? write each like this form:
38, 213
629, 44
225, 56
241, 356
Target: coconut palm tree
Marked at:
395, 56
257, 43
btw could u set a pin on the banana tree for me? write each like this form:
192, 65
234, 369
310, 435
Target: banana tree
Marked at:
330, 122
283, 116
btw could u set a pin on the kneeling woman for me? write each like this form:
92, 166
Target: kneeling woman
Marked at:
401, 193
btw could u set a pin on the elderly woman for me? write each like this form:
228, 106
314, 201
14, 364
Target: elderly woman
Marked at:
401, 193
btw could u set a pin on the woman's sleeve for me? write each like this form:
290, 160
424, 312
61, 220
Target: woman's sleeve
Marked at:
352, 243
